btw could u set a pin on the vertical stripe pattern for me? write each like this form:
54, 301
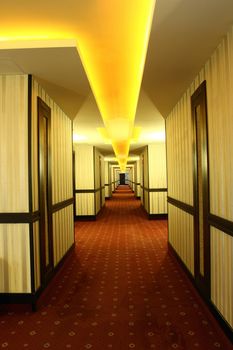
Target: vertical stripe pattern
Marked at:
218, 73
15, 258
181, 235
14, 144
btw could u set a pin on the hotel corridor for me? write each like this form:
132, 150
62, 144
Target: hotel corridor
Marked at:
120, 289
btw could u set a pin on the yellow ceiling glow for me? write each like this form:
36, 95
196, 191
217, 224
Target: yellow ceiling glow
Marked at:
38, 32
112, 39
113, 45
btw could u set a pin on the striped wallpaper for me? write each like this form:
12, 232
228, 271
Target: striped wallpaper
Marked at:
157, 165
15, 276
179, 151
36, 250
222, 272
218, 73
84, 167
99, 180
107, 180
89, 180
153, 171
85, 204
15, 263
14, 196
181, 235
158, 202
61, 175
63, 232
61, 148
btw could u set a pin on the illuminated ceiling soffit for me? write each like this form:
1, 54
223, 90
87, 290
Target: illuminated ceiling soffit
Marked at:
113, 50
112, 39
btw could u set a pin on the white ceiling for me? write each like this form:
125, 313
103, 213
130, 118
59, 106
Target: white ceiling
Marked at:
184, 34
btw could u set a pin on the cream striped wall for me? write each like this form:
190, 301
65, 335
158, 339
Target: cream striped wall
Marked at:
85, 204
14, 196
179, 151
88, 172
84, 179
155, 179
222, 272
112, 178
61, 148
36, 251
99, 180
138, 179
107, 180
141, 179
63, 232
218, 73
84, 167
158, 202
61, 177
144, 179
15, 275
157, 165
181, 235
18, 143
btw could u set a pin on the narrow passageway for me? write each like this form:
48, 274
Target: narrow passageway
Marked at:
120, 289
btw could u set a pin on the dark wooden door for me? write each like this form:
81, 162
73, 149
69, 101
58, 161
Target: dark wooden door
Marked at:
45, 193
201, 190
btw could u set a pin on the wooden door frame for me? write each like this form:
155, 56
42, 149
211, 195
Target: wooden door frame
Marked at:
45, 111
203, 283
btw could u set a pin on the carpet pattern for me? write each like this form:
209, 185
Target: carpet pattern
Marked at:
120, 289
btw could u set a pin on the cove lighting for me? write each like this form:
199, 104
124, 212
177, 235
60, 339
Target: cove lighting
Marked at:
112, 39
113, 52
79, 138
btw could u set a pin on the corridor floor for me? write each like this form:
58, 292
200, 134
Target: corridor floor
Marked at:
120, 289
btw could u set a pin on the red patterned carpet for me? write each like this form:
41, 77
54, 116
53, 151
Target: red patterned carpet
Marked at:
119, 290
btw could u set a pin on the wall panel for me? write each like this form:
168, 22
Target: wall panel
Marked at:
158, 202
219, 76
179, 151
106, 179
61, 148
222, 273
85, 203
84, 167
181, 235
36, 249
99, 180
144, 179
14, 258
14, 155
218, 73
157, 165
63, 237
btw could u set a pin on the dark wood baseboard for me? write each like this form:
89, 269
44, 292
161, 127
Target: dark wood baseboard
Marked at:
20, 298
85, 217
158, 216
212, 308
